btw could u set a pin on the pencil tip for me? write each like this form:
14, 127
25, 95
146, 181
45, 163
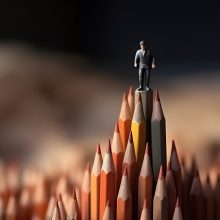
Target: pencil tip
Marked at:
207, 179
145, 204
169, 166
131, 90
173, 146
131, 137
74, 194
108, 203
59, 197
177, 202
157, 98
161, 174
98, 149
108, 149
125, 173
147, 151
116, 127
139, 97
124, 96
88, 167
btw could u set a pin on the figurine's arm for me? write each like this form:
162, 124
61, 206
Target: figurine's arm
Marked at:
136, 60
153, 64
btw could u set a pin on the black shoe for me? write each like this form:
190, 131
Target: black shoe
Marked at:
139, 88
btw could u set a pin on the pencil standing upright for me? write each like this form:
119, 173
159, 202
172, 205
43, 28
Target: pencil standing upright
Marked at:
95, 184
107, 182
158, 137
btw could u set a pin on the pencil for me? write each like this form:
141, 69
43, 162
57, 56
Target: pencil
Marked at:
95, 184
118, 155
124, 121
176, 170
196, 199
177, 212
56, 212
74, 212
209, 200
25, 205
85, 195
145, 184
61, 207
171, 192
138, 128
107, 182
124, 200
158, 137
50, 208
108, 215
11, 209
145, 214
160, 201
131, 99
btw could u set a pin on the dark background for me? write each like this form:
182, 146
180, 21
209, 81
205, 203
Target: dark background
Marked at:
110, 32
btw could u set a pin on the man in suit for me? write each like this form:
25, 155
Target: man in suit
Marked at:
144, 61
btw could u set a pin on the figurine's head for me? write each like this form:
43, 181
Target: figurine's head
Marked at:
143, 45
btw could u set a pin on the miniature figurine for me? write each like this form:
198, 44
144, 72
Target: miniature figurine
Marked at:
144, 61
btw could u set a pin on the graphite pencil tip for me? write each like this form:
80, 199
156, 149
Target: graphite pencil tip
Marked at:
108, 203
125, 172
116, 127
59, 197
139, 97
147, 151
177, 202
161, 174
98, 149
108, 148
145, 204
74, 194
157, 97
124, 97
131, 90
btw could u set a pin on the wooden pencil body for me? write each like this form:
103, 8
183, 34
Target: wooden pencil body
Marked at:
85, 207
197, 207
95, 196
158, 140
124, 209
160, 208
107, 192
124, 130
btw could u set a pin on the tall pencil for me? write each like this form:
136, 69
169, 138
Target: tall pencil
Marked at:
74, 212
131, 99
177, 212
138, 128
118, 155
171, 192
108, 214
145, 184
124, 200
95, 184
160, 202
209, 200
124, 121
158, 137
107, 182
61, 207
145, 214
176, 170
85, 194
196, 200
50, 208
56, 212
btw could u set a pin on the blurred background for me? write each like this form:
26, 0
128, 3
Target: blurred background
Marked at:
64, 67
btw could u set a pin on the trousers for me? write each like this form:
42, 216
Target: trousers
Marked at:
144, 75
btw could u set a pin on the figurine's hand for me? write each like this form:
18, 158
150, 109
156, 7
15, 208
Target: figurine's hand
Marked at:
153, 66
135, 64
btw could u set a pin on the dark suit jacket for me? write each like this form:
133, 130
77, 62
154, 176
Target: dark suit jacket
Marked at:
144, 60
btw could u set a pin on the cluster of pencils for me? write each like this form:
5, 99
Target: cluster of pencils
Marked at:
131, 181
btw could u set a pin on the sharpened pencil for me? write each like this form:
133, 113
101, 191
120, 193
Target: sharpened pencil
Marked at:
108, 215
107, 182
56, 212
160, 202
145, 214
11, 209
74, 212
118, 155
95, 184
50, 208
177, 212
124, 200
138, 128
85, 194
196, 200
145, 184
158, 137
171, 191
124, 121
61, 207
131, 99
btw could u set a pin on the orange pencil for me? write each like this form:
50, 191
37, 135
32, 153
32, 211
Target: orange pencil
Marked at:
50, 208
145, 214
176, 170
107, 182
171, 192
117, 154
56, 212
124, 201
177, 212
145, 184
95, 184
74, 213
124, 121
61, 207
11, 209
196, 199
160, 202
85, 195
108, 215
131, 99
